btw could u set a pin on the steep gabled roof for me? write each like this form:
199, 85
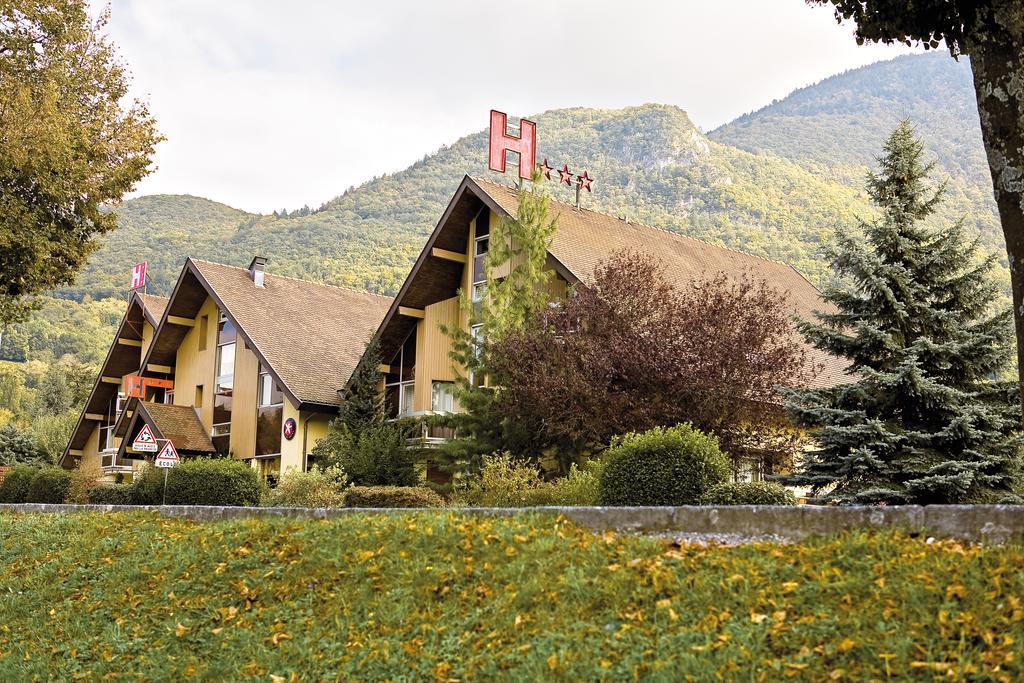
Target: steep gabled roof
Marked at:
121, 360
153, 306
309, 335
179, 424
583, 239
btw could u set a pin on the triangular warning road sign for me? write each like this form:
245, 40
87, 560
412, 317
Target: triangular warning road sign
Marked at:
168, 457
145, 442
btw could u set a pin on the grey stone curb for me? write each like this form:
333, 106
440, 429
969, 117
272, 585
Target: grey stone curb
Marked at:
991, 523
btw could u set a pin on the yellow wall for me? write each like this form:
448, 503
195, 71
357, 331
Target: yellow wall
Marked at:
432, 347
91, 453
309, 427
194, 367
147, 338
243, 401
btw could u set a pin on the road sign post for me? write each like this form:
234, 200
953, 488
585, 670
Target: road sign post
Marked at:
167, 458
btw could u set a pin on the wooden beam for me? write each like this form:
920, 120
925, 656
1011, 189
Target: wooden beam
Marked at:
111, 380
178, 320
94, 416
130, 342
411, 312
153, 367
448, 255
76, 451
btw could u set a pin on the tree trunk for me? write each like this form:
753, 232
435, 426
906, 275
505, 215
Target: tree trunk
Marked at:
997, 61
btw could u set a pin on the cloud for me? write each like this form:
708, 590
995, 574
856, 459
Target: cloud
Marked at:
268, 105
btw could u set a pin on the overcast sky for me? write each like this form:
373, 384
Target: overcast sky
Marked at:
268, 104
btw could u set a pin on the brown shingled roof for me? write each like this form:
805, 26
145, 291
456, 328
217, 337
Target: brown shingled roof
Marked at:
311, 334
180, 424
584, 238
154, 306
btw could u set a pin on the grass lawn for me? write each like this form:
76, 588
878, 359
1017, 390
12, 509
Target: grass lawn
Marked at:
426, 596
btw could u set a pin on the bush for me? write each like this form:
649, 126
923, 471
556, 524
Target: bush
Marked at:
82, 481
148, 485
376, 456
748, 493
503, 481
313, 489
392, 497
580, 487
662, 466
16, 484
50, 485
112, 494
213, 481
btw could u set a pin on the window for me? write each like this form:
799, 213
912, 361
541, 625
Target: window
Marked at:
270, 393
199, 396
169, 396
204, 331
269, 415
480, 246
442, 396
223, 387
400, 385
477, 332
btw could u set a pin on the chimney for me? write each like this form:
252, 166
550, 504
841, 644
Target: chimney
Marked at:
256, 269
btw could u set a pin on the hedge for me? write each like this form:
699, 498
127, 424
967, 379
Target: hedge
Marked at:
392, 497
50, 485
112, 494
199, 481
662, 466
748, 493
16, 483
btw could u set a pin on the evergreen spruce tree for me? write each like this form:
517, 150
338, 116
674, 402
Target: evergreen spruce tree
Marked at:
926, 419
371, 449
364, 402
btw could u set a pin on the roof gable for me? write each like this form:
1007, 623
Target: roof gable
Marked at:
582, 240
121, 359
309, 335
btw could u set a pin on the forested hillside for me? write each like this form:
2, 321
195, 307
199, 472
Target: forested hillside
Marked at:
775, 182
835, 128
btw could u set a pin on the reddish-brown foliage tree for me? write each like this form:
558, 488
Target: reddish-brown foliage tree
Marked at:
631, 352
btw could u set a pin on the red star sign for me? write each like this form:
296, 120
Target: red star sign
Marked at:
545, 170
566, 174
584, 181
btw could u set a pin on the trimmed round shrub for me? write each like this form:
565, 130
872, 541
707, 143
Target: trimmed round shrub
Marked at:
748, 493
662, 466
392, 497
50, 485
112, 494
16, 484
206, 481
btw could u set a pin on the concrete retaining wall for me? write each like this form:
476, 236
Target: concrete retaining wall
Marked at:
993, 523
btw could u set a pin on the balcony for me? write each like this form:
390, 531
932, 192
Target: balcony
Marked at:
108, 462
428, 435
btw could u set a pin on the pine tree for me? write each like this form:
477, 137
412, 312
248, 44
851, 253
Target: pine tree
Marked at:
364, 402
926, 419
361, 440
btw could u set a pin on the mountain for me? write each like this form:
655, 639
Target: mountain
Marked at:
836, 127
775, 183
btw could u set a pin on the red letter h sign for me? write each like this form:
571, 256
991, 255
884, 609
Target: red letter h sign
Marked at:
525, 145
